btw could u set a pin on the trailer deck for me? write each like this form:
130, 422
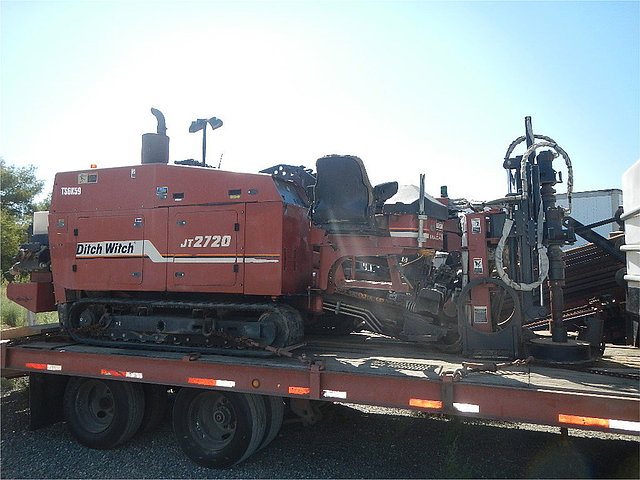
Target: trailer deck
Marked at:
370, 369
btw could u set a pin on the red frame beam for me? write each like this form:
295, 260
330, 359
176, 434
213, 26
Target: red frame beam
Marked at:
447, 395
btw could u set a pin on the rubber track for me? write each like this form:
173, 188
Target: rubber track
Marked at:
284, 310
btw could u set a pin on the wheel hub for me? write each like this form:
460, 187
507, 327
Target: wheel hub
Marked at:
95, 406
222, 416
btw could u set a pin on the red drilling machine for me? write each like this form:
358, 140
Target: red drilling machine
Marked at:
192, 258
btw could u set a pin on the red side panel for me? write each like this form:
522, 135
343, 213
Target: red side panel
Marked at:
277, 253
405, 227
62, 250
297, 251
205, 248
263, 249
103, 251
109, 251
169, 228
156, 185
35, 296
478, 268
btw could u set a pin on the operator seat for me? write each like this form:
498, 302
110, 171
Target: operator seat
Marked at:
343, 199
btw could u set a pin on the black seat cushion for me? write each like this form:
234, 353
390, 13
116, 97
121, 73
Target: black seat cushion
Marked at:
343, 196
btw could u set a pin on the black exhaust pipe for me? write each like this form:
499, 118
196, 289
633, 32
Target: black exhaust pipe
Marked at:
155, 146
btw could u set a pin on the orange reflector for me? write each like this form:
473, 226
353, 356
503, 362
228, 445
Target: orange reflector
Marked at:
577, 420
299, 390
202, 381
418, 402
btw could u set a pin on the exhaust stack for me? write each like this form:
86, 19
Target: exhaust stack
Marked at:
155, 146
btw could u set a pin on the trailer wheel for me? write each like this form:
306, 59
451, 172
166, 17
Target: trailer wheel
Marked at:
103, 413
218, 429
275, 414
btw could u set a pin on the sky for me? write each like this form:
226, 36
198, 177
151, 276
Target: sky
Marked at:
439, 88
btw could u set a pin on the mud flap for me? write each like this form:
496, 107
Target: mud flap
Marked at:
46, 393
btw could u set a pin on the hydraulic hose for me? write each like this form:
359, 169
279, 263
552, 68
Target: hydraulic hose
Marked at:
548, 142
543, 259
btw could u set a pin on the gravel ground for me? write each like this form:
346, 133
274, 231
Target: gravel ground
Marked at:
350, 442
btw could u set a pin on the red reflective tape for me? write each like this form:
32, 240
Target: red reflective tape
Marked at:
44, 366
418, 402
299, 390
578, 420
36, 366
202, 381
211, 382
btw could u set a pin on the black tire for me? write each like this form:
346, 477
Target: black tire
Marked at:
156, 402
103, 413
275, 414
218, 429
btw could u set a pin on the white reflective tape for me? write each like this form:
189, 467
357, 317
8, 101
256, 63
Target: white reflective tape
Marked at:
466, 407
625, 425
224, 260
205, 260
225, 383
404, 234
260, 260
120, 373
146, 248
334, 394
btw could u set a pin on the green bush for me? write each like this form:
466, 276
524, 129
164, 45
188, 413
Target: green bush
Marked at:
47, 317
11, 314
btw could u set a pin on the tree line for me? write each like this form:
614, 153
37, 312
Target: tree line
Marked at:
19, 188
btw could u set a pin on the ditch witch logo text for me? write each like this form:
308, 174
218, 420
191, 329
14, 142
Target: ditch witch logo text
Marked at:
99, 249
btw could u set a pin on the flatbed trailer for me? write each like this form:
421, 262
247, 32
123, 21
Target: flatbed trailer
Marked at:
360, 368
